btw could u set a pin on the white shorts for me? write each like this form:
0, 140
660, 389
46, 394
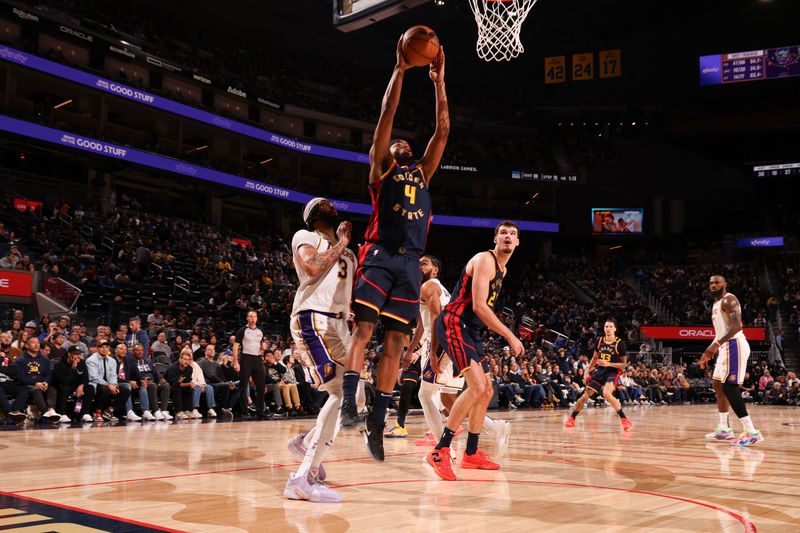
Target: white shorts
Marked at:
323, 340
732, 361
447, 383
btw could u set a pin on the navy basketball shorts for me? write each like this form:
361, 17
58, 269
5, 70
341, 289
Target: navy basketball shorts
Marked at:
601, 376
413, 372
461, 343
388, 282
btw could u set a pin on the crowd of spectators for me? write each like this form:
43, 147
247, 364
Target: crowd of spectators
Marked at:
684, 290
161, 350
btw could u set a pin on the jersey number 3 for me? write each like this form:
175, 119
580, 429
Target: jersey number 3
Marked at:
342, 269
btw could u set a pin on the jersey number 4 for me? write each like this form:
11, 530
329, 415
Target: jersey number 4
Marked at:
411, 193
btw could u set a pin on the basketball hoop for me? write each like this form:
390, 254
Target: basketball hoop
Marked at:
499, 24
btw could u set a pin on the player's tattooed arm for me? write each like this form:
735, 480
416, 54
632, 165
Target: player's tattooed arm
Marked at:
314, 262
730, 305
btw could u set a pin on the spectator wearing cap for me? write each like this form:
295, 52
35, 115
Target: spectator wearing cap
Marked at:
75, 340
70, 376
109, 396
32, 328
136, 335
33, 371
57, 350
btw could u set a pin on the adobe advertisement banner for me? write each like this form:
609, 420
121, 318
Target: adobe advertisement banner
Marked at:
696, 333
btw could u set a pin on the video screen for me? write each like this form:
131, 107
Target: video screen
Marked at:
622, 221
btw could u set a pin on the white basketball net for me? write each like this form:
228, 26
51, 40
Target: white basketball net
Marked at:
499, 24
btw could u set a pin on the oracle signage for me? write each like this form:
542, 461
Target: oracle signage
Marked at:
18, 284
697, 333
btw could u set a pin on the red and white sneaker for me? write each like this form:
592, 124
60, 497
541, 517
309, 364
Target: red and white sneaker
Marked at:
626, 424
427, 440
570, 423
478, 461
439, 461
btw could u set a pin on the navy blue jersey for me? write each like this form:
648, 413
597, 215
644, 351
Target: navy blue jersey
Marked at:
460, 304
401, 209
613, 351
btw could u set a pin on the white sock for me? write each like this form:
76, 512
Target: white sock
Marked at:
428, 394
723, 420
323, 433
308, 439
748, 424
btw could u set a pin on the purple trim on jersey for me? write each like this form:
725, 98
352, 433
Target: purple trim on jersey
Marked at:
326, 368
733, 362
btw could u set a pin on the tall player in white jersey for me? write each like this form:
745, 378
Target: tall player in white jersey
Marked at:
732, 351
439, 385
325, 268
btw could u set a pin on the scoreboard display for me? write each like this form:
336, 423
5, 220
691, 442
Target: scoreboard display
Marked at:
783, 62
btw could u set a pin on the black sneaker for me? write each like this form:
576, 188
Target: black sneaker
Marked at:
16, 416
227, 413
280, 412
350, 417
373, 438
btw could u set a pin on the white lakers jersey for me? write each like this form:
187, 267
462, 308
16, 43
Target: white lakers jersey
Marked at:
444, 298
720, 321
329, 291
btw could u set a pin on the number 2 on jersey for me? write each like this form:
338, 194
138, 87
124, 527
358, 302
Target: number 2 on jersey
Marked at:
411, 193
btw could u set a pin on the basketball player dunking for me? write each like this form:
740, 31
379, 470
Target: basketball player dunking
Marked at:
603, 373
458, 330
325, 268
732, 351
388, 278
433, 298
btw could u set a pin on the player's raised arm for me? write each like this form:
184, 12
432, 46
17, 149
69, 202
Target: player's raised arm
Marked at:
482, 274
313, 262
379, 152
435, 149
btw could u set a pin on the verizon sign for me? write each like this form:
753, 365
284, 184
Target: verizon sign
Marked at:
16, 284
699, 333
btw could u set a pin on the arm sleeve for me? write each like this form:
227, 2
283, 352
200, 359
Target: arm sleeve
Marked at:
239, 336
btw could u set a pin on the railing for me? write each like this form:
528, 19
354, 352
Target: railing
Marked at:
108, 244
158, 271
662, 357
181, 284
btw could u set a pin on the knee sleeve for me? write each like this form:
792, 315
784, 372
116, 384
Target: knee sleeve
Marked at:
734, 395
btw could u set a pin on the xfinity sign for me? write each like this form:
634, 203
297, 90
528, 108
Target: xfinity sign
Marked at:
759, 242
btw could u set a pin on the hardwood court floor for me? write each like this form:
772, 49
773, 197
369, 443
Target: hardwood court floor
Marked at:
659, 476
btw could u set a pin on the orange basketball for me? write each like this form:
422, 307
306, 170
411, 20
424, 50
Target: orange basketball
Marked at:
420, 46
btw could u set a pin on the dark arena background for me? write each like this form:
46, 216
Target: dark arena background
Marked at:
155, 160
